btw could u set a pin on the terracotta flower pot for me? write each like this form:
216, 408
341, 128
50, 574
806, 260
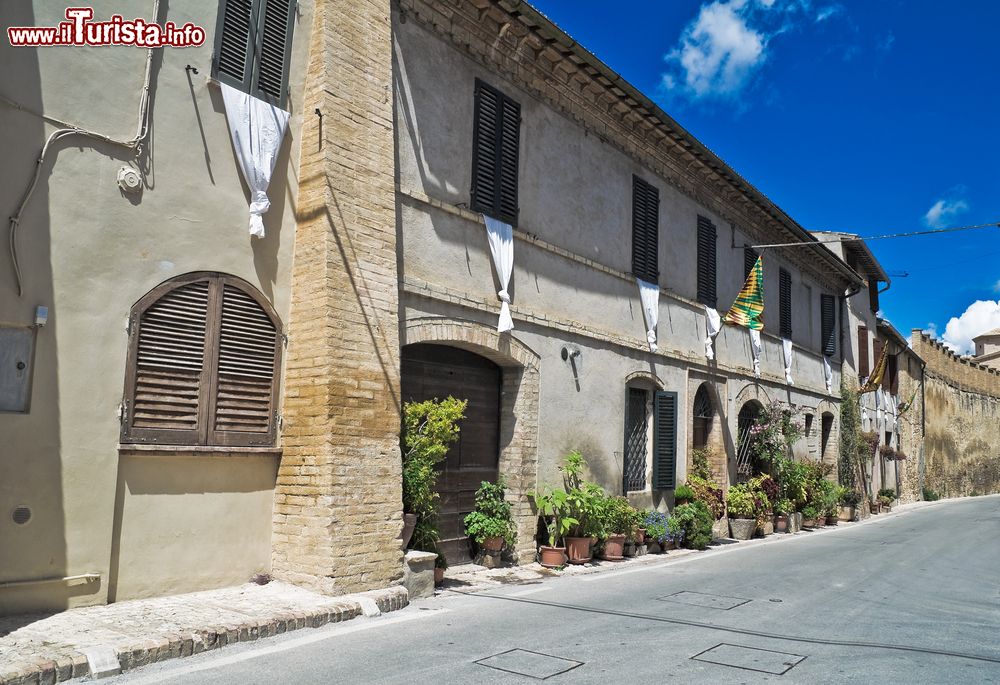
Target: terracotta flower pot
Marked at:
409, 523
614, 548
640, 536
742, 529
494, 544
832, 520
552, 557
781, 523
438, 575
578, 550
668, 545
808, 523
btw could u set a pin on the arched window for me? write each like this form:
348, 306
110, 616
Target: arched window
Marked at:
702, 415
203, 361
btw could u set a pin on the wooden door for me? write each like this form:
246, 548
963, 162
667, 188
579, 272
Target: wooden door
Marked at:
437, 371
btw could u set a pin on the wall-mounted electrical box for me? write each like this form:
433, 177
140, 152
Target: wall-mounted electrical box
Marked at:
17, 348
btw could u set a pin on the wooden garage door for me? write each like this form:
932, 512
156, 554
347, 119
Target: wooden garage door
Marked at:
436, 371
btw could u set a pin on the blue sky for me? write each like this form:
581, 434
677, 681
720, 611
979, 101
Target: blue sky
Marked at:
869, 117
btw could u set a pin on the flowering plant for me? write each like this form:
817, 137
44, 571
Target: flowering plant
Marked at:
773, 432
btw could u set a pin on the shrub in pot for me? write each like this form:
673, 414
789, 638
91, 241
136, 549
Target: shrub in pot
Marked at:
584, 503
742, 508
849, 500
618, 520
551, 506
683, 494
783, 508
809, 515
491, 524
695, 520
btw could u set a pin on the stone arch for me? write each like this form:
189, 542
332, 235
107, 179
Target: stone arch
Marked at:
828, 442
706, 416
518, 407
644, 376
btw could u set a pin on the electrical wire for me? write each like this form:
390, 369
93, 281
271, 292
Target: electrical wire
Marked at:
858, 239
135, 144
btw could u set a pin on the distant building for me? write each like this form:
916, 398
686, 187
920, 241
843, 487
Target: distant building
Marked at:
988, 348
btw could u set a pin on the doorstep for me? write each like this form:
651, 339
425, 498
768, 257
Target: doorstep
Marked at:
103, 640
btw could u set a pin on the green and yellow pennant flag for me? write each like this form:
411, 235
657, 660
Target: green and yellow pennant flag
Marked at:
748, 310
875, 379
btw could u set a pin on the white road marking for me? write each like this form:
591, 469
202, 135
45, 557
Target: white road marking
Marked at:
355, 626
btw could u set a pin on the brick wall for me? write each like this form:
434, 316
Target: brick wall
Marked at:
338, 497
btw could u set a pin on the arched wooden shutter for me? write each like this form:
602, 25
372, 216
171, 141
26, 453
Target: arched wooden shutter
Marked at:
167, 375
204, 357
244, 401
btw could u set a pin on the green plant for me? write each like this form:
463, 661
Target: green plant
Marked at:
740, 502
885, 500
683, 493
773, 433
850, 498
618, 517
784, 506
701, 460
709, 493
584, 499
695, 520
793, 478
440, 561
552, 506
766, 486
930, 495
849, 459
810, 511
888, 493
829, 497
429, 429
492, 516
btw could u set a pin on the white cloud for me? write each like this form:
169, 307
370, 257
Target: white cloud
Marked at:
979, 317
996, 287
943, 210
827, 12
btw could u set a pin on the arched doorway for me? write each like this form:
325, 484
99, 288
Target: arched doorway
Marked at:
702, 415
746, 464
432, 371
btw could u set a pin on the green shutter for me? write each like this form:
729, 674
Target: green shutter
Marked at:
828, 321
706, 262
253, 42
235, 38
274, 46
645, 230
785, 303
665, 440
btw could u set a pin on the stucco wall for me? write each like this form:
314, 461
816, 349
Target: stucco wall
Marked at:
962, 441
88, 253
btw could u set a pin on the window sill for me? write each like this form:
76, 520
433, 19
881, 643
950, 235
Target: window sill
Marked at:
199, 450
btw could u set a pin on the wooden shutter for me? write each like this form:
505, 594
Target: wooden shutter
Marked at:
749, 259
645, 230
665, 440
864, 367
244, 392
828, 321
204, 357
785, 303
890, 381
877, 346
495, 154
168, 379
706, 262
235, 41
873, 294
274, 45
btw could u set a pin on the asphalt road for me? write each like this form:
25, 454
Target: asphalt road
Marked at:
913, 598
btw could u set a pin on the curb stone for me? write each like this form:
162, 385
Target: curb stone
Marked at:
70, 663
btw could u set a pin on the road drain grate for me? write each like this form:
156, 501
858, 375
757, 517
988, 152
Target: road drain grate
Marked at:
700, 599
532, 664
750, 658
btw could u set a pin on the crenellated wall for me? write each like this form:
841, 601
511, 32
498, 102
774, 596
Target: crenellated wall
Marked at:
962, 426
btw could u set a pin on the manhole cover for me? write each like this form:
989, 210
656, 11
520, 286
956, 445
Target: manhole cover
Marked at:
531, 664
750, 658
700, 599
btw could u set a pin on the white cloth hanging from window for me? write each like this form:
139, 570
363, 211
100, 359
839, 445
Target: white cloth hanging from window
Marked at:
879, 405
786, 349
501, 237
827, 374
257, 129
649, 296
755, 350
713, 324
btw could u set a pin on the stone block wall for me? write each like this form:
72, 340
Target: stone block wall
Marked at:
962, 429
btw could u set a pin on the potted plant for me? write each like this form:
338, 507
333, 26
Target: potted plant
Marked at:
429, 429
683, 494
849, 500
655, 523
783, 508
695, 521
584, 501
618, 520
551, 506
440, 566
765, 492
742, 508
875, 505
886, 496
810, 513
707, 490
490, 524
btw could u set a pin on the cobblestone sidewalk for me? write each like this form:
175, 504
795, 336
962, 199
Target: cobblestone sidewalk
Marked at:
39, 649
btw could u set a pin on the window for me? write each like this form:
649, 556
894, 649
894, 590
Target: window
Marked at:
204, 354
702, 415
890, 379
826, 432
877, 346
645, 230
828, 324
785, 302
636, 424
749, 259
706, 262
873, 295
253, 43
496, 139
665, 440
863, 364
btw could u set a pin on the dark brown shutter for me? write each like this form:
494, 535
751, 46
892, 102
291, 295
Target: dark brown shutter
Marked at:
235, 39
785, 303
749, 259
645, 230
892, 374
863, 364
249, 346
168, 379
664, 440
706, 262
877, 346
495, 154
274, 47
873, 294
828, 321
